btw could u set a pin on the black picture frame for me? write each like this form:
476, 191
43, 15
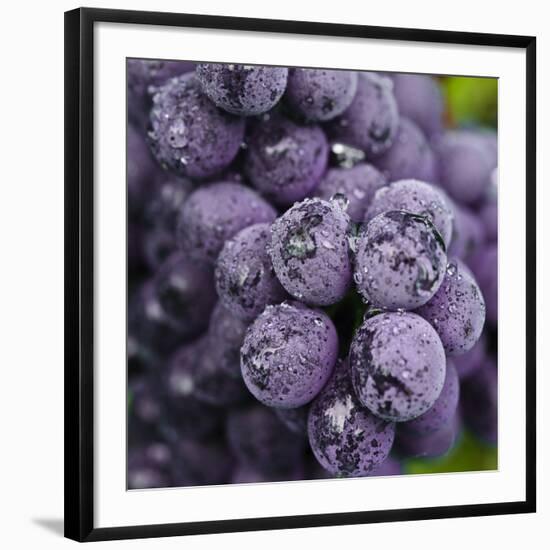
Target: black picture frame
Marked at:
79, 268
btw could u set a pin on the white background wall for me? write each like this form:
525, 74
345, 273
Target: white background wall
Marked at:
31, 272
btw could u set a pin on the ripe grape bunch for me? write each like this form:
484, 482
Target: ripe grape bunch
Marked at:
312, 270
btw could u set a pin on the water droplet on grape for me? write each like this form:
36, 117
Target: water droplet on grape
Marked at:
340, 200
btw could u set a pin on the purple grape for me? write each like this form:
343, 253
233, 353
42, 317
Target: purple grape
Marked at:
191, 417
216, 212
245, 279
260, 441
189, 134
141, 172
320, 94
200, 463
143, 75
345, 437
285, 161
390, 467
357, 184
465, 163
160, 216
164, 206
146, 408
468, 234
184, 294
419, 99
226, 335
479, 402
246, 474
135, 247
294, 419
417, 197
469, 362
397, 365
457, 311
288, 354
314, 470
158, 245
431, 445
442, 411
174, 306
242, 89
213, 384
149, 466
370, 123
140, 357
489, 219
310, 251
400, 260
410, 155
485, 268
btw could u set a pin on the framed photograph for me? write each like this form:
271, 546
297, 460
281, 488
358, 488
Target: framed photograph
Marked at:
300, 274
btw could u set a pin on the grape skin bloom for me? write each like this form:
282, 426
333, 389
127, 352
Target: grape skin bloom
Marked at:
398, 365
457, 311
400, 261
346, 438
418, 197
310, 253
288, 354
245, 279
244, 90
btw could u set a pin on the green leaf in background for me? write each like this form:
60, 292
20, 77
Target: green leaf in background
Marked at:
469, 454
471, 100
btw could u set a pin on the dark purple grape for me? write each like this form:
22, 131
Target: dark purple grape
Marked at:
468, 234
398, 365
260, 441
188, 133
419, 99
346, 438
465, 162
400, 260
191, 417
149, 466
198, 463
417, 197
143, 76
390, 467
242, 89
479, 402
226, 335
245, 279
184, 293
443, 410
320, 94
431, 445
470, 361
357, 184
310, 253
410, 155
457, 310
294, 419
370, 123
288, 354
484, 265
141, 172
217, 212
285, 161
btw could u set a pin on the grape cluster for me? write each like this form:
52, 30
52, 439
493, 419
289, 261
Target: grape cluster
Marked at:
312, 274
